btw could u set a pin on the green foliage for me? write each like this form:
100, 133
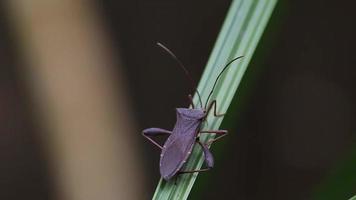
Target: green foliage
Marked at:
340, 183
240, 34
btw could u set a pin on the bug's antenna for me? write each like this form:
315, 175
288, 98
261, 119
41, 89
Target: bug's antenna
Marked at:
194, 86
216, 80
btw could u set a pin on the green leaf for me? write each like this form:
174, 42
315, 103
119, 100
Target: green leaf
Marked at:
240, 34
340, 182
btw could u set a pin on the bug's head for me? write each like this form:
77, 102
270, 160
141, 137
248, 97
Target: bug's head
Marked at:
189, 113
201, 111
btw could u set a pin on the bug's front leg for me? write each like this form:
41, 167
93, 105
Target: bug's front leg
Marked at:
149, 132
191, 100
220, 133
211, 105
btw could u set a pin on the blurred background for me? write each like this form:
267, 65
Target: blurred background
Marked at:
80, 79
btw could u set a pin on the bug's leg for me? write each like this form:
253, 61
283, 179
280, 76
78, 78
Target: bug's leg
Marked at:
149, 132
211, 105
219, 133
208, 157
191, 100
194, 171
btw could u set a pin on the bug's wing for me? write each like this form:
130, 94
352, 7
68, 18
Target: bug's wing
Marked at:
174, 155
178, 146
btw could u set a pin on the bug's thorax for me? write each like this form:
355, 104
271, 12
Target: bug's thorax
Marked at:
190, 114
188, 121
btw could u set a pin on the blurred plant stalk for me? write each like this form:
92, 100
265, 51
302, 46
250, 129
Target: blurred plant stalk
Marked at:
82, 107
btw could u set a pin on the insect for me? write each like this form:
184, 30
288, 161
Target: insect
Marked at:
186, 132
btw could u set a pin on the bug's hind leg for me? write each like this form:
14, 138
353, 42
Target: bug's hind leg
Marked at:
219, 133
193, 171
149, 132
211, 105
208, 157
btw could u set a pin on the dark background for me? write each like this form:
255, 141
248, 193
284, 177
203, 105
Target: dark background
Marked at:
292, 125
